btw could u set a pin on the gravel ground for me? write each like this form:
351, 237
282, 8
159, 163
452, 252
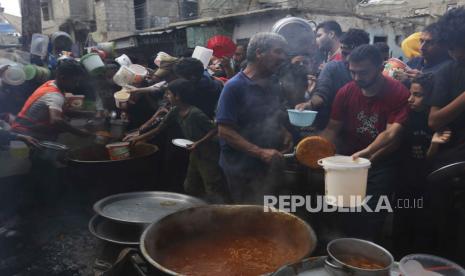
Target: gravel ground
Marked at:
48, 241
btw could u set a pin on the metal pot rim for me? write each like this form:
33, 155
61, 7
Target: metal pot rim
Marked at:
147, 257
344, 265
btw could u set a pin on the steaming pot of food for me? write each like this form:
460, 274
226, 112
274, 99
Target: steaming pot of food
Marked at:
226, 240
357, 257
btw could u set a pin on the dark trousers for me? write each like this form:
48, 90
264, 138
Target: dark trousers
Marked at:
250, 186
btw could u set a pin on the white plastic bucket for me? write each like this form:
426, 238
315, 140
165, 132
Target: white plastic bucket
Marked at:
345, 180
123, 60
93, 63
121, 97
140, 72
124, 76
39, 45
203, 54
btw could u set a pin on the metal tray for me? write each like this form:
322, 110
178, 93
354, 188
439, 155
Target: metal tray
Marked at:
143, 207
114, 232
315, 266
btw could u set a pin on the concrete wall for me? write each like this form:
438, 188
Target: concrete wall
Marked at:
114, 18
60, 12
161, 12
210, 8
64, 9
409, 8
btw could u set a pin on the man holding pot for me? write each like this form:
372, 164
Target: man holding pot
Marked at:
250, 122
367, 116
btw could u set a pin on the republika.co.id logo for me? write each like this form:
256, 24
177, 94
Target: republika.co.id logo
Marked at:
341, 204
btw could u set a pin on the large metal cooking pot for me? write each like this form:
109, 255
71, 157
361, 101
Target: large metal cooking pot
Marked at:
91, 171
341, 250
202, 221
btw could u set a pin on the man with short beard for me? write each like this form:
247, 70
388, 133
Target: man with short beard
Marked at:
367, 112
327, 39
251, 122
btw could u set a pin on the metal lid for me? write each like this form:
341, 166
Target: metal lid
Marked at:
298, 33
143, 207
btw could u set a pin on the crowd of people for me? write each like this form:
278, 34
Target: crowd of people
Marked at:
235, 113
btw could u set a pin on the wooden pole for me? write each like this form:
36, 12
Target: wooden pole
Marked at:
31, 21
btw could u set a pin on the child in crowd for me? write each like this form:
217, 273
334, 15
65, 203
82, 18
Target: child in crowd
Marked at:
204, 176
420, 145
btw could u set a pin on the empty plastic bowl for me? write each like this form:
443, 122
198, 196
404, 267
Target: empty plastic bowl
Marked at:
303, 118
14, 75
428, 265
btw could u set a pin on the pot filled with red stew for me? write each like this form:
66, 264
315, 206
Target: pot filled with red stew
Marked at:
357, 257
226, 240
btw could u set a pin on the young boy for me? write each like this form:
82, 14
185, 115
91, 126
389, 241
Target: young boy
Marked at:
204, 176
420, 145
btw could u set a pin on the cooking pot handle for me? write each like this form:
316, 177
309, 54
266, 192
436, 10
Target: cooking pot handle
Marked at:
320, 162
341, 268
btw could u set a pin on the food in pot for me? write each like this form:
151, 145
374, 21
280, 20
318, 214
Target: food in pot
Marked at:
228, 254
312, 149
360, 262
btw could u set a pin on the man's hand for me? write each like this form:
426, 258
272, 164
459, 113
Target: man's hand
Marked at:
30, 141
365, 153
303, 106
413, 73
193, 146
441, 137
268, 155
131, 136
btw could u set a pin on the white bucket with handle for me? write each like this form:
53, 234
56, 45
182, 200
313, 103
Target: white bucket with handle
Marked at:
345, 180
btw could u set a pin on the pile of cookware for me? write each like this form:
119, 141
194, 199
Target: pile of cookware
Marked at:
121, 218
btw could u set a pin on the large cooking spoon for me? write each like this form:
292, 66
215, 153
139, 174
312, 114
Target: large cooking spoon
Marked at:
311, 149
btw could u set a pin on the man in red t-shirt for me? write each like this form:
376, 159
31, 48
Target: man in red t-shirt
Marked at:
366, 121
369, 111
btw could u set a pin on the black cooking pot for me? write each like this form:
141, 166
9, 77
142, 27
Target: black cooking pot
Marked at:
90, 169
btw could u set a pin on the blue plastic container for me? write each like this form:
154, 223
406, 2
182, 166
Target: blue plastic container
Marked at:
303, 118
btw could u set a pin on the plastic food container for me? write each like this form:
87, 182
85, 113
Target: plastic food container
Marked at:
124, 76
139, 71
428, 265
123, 60
14, 75
203, 54
107, 47
37, 73
121, 97
345, 180
303, 118
393, 65
39, 45
93, 63
118, 151
74, 101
